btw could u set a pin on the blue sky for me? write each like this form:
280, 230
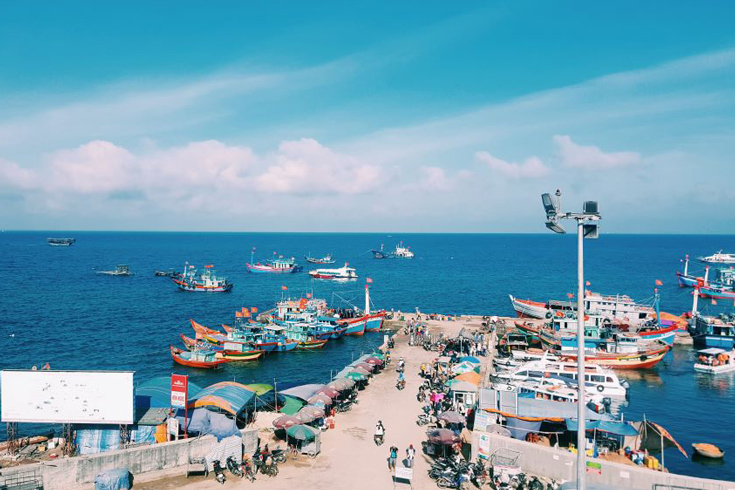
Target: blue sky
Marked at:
375, 116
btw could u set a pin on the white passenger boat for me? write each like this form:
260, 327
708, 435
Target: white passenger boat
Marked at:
343, 273
597, 378
715, 361
719, 258
554, 389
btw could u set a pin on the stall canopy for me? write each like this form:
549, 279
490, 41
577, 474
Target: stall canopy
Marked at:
153, 400
303, 392
205, 422
226, 396
471, 377
609, 426
291, 405
653, 436
463, 386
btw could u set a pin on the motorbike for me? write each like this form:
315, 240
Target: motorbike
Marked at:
268, 469
379, 438
233, 467
423, 419
401, 384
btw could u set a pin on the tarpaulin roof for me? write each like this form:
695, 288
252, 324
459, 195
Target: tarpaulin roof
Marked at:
610, 426
260, 389
291, 406
156, 393
206, 422
303, 392
653, 434
463, 386
227, 396
470, 377
471, 359
537, 409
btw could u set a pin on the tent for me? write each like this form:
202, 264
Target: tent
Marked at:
226, 396
303, 392
610, 426
205, 422
470, 377
291, 405
260, 389
462, 386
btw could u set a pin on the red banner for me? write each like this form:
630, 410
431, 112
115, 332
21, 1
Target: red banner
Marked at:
179, 390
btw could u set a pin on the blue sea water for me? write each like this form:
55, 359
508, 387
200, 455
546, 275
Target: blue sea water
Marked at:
54, 308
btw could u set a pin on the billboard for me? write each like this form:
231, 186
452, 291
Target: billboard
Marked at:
67, 397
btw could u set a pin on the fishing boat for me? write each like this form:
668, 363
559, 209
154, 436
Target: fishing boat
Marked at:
712, 331
400, 252
61, 242
718, 258
120, 270
168, 273
623, 355
618, 310
276, 265
311, 344
327, 259
708, 450
240, 355
342, 274
715, 361
206, 359
206, 282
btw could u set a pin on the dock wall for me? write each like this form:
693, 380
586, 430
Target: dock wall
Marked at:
69, 473
561, 465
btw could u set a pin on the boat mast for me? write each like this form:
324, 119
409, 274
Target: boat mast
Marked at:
367, 298
656, 303
686, 264
706, 274
696, 299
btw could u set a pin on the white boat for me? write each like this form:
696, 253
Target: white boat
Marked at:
618, 309
715, 361
61, 242
120, 270
403, 252
718, 258
343, 273
597, 378
553, 389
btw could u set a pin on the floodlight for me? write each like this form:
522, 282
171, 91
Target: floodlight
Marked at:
591, 230
554, 226
551, 205
590, 207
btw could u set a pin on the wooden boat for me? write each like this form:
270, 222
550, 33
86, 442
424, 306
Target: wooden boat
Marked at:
708, 450
192, 344
311, 344
120, 270
61, 242
240, 356
205, 359
207, 281
201, 330
327, 259
642, 359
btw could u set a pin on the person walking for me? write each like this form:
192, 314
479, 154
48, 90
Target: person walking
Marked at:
392, 458
410, 454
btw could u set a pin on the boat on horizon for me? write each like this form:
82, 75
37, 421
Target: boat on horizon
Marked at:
327, 259
120, 270
207, 281
400, 252
276, 265
718, 258
61, 242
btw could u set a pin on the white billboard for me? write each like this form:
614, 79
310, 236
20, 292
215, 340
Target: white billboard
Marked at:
67, 397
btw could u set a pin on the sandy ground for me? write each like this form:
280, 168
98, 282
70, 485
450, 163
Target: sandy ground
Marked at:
349, 458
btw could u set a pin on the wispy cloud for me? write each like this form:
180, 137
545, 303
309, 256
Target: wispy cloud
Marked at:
531, 168
591, 157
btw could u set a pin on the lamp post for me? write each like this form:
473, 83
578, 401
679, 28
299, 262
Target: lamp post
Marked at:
586, 228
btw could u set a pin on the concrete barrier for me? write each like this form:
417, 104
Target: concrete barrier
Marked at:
73, 472
561, 465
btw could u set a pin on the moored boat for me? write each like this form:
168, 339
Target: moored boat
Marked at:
327, 259
642, 358
311, 344
205, 359
708, 450
276, 265
715, 361
120, 270
207, 281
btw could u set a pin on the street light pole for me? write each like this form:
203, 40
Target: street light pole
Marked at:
581, 433
586, 228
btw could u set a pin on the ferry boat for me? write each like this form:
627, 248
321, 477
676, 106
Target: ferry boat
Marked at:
342, 274
619, 309
279, 265
553, 389
597, 378
207, 281
715, 361
718, 258
61, 242
327, 259
400, 252
120, 270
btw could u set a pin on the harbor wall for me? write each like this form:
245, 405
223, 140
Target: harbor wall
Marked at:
74, 472
561, 465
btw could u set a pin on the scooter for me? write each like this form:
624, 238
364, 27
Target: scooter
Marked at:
219, 473
378, 438
401, 384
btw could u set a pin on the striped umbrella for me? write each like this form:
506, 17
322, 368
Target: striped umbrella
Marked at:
286, 421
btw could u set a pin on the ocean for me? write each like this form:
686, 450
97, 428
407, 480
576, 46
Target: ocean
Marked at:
55, 309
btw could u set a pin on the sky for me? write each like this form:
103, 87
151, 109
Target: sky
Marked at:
428, 116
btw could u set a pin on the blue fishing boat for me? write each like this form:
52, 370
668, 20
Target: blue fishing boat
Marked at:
276, 265
710, 331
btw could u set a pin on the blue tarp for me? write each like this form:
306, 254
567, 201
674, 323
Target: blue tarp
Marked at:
225, 396
471, 359
610, 426
98, 439
117, 479
156, 393
205, 422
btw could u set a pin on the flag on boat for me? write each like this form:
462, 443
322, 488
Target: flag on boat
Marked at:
308, 295
369, 281
284, 288
208, 266
253, 310
570, 295
588, 283
659, 283
238, 314
714, 301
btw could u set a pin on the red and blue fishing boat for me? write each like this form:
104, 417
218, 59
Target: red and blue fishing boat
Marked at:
327, 259
205, 359
206, 282
276, 265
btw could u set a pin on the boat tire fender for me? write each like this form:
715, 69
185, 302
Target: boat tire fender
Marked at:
600, 388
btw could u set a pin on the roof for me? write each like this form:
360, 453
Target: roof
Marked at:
610, 426
303, 392
712, 351
463, 386
156, 393
226, 396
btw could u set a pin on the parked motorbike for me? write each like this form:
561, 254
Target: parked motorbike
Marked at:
401, 384
219, 473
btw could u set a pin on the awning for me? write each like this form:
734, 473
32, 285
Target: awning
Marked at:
463, 386
653, 436
303, 392
609, 426
226, 396
291, 406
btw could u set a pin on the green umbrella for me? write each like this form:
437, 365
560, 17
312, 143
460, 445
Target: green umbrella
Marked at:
292, 405
379, 355
260, 389
302, 432
356, 376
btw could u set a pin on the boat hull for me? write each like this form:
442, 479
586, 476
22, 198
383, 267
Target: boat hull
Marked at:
528, 309
716, 293
665, 334
719, 341
355, 327
265, 269
373, 323
179, 358
240, 356
286, 346
644, 360
311, 344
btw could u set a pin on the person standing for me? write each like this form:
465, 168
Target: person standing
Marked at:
410, 454
392, 458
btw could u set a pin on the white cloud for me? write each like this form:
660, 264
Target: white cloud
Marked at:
532, 168
591, 157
